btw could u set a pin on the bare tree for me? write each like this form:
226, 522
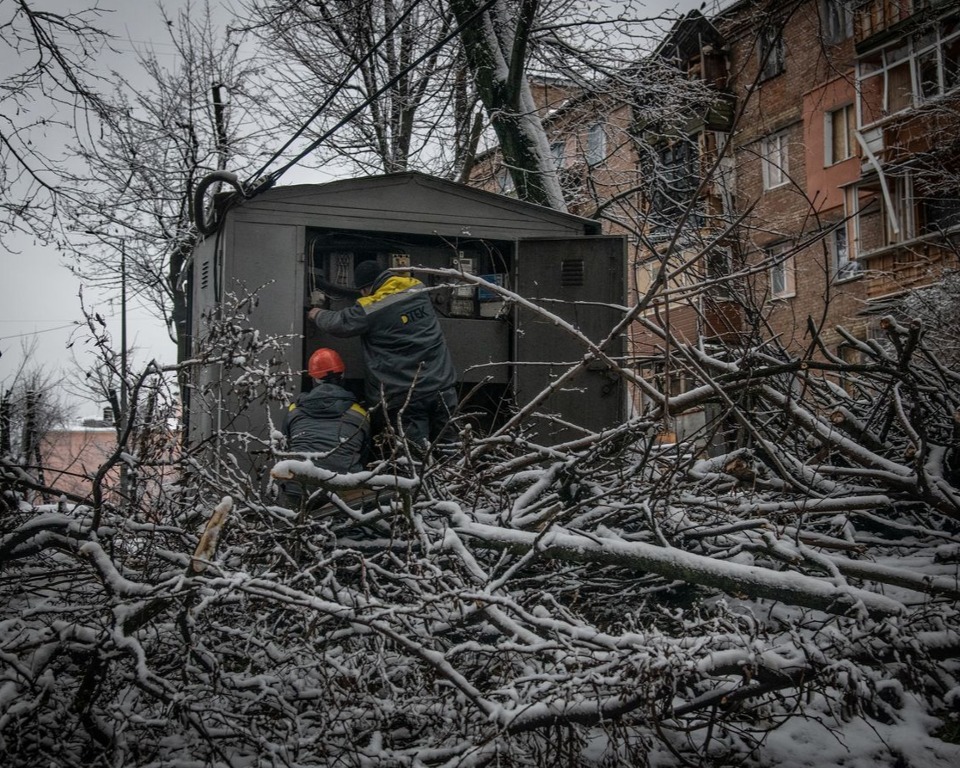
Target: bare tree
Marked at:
617, 599
384, 81
612, 598
190, 121
46, 83
32, 405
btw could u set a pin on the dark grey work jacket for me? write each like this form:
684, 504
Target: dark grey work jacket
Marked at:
327, 420
403, 345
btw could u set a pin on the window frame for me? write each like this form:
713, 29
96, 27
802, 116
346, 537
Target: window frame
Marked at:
836, 17
908, 54
718, 270
675, 179
829, 132
771, 56
905, 204
782, 260
595, 151
843, 262
775, 173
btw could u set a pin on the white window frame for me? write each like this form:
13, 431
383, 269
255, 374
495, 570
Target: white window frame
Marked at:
839, 242
905, 207
851, 210
782, 268
596, 150
775, 151
849, 142
904, 212
906, 51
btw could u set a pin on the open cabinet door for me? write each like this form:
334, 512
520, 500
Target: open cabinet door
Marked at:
582, 281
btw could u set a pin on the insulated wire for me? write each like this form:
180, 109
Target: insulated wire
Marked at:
333, 94
354, 112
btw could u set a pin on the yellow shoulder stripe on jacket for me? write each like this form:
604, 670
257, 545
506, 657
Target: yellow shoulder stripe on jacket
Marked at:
291, 406
359, 409
391, 286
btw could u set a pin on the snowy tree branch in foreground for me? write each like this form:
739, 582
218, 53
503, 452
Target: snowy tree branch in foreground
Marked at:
646, 601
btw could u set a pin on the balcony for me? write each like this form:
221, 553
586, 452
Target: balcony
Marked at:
907, 266
876, 16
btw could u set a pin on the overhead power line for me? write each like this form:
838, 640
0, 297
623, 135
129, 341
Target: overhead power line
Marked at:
274, 176
333, 94
36, 333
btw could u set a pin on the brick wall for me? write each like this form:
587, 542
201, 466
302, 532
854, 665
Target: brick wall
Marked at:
797, 214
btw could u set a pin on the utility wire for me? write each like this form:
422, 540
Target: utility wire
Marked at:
356, 110
333, 94
35, 333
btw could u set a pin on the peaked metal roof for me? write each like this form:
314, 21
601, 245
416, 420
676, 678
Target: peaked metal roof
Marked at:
410, 202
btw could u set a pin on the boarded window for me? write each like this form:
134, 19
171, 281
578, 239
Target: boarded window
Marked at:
840, 142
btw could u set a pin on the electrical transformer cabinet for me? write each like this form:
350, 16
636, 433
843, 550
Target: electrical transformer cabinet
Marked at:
275, 255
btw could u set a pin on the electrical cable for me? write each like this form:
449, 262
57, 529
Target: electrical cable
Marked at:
335, 91
369, 100
258, 183
36, 333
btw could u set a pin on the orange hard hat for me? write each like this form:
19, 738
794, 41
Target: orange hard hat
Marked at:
323, 362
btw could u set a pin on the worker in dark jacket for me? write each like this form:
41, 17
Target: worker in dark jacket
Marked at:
403, 346
327, 423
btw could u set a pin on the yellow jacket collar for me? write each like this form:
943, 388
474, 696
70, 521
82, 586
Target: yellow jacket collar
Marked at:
390, 286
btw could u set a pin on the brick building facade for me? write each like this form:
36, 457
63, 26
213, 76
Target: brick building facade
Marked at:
812, 181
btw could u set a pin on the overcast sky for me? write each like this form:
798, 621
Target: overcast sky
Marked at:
38, 295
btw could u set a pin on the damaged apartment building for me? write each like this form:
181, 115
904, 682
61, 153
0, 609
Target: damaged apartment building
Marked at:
780, 169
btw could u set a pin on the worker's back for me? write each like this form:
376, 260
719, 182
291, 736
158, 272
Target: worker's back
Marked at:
328, 421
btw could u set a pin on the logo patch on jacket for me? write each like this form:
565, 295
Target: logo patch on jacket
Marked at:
414, 314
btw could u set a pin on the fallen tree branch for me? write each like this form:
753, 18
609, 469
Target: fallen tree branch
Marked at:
735, 579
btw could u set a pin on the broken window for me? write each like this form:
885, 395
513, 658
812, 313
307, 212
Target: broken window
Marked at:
770, 52
836, 18
674, 182
909, 71
844, 265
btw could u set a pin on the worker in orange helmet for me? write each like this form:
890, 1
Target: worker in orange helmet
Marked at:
326, 423
408, 363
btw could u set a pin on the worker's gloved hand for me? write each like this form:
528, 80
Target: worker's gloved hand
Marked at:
312, 313
318, 299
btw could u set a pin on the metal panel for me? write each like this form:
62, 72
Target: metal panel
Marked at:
583, 282
200, 412
480, 348
266, 260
